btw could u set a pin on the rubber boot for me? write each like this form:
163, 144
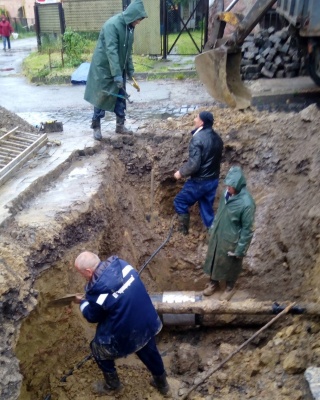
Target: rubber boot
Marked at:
120, 128
161, 384
184, 220
96, 126
111, 384
229, 291
212, 287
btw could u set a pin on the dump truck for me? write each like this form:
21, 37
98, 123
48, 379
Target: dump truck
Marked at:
218, 66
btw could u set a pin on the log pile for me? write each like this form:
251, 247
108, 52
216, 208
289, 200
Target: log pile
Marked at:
271, 54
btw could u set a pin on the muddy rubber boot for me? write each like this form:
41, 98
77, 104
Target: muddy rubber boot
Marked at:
161, 384
228, 293
184, 220
111, 384
212, 287
120, 128
96, 126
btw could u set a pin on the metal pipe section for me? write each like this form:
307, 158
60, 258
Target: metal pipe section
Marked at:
231, 5
192, 308
189, 319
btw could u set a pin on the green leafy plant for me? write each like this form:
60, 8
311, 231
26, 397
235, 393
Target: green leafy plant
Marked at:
74, 46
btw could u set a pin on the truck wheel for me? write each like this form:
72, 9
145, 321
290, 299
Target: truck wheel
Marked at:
314, 65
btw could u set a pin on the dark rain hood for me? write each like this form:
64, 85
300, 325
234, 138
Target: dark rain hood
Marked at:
134, 11
235, 179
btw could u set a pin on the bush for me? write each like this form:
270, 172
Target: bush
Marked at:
73, 45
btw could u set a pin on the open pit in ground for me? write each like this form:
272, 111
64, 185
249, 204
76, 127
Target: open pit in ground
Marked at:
101, 200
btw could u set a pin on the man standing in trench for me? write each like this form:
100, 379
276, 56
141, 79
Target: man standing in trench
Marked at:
110, 66
117, 300
203, 168
231, 235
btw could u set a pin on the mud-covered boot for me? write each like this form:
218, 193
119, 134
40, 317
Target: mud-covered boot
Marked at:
184, 220
96, 126
111, 384
161, 384
229, 292
211, 288
120, 128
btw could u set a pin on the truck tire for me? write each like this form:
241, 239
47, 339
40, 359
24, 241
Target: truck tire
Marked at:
314, 65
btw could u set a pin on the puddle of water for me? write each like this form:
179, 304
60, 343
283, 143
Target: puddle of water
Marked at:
77, 172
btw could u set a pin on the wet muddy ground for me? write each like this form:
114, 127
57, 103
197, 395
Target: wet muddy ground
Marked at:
102, 201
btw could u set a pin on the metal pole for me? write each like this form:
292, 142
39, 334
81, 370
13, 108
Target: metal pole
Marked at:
231, 5
165, 30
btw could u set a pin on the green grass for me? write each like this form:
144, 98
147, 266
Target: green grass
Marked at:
184, 44
36, 66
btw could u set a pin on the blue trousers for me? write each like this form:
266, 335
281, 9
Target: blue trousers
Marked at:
203, 192
5, 40
149, 355
119, 108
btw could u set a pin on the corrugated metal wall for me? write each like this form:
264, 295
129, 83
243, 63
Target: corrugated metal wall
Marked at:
89, 15
49, 19
147, 38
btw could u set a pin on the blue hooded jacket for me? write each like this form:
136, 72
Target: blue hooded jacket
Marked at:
117, 300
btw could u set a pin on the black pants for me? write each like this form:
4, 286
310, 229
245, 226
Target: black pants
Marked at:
149, 355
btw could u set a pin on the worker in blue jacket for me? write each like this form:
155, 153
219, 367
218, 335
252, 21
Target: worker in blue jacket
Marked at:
116, 299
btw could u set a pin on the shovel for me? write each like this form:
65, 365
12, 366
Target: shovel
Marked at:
63, 301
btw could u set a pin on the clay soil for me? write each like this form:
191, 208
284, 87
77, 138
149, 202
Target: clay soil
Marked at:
118, 211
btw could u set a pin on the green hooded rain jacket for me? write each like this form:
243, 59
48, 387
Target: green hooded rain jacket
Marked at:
112, 57
232, 230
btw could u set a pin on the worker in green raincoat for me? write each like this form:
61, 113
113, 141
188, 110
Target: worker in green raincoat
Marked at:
231, 235
110, 66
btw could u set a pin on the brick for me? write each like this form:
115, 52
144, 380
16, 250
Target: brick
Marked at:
267, 73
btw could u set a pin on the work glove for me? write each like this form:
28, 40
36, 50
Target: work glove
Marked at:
130, 77
231, 254
119, 81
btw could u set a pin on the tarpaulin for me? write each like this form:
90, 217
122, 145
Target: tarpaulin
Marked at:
79, 76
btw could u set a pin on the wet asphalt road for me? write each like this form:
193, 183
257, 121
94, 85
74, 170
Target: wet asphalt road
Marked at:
65, 103
157, 99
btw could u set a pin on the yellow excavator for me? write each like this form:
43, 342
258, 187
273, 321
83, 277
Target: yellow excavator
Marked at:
218, 66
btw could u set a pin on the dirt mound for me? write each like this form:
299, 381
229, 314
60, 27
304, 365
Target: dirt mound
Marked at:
9, 120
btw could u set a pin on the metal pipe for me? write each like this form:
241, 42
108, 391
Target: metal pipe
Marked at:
192, 308
231, 5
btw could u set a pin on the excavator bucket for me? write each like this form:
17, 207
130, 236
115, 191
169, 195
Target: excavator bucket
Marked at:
219, 71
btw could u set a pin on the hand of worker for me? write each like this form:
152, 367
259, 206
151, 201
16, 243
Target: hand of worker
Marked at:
78, 297
130, 77
231, 254
177, 175
119, 81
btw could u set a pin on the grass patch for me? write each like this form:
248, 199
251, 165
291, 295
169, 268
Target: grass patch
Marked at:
184, 44
39, 66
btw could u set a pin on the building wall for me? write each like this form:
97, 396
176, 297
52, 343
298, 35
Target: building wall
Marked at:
12, 6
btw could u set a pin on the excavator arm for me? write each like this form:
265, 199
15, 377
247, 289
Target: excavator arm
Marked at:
219, 68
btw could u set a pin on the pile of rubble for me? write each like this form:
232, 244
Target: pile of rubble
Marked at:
271, 54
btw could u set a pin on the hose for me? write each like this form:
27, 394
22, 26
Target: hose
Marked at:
160, 247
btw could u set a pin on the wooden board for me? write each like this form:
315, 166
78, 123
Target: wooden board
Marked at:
16, 148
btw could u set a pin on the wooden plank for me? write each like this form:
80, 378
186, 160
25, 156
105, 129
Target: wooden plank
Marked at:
16, 150
9, 133
15, 144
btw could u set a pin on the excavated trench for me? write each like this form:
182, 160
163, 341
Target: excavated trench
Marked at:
104, 201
